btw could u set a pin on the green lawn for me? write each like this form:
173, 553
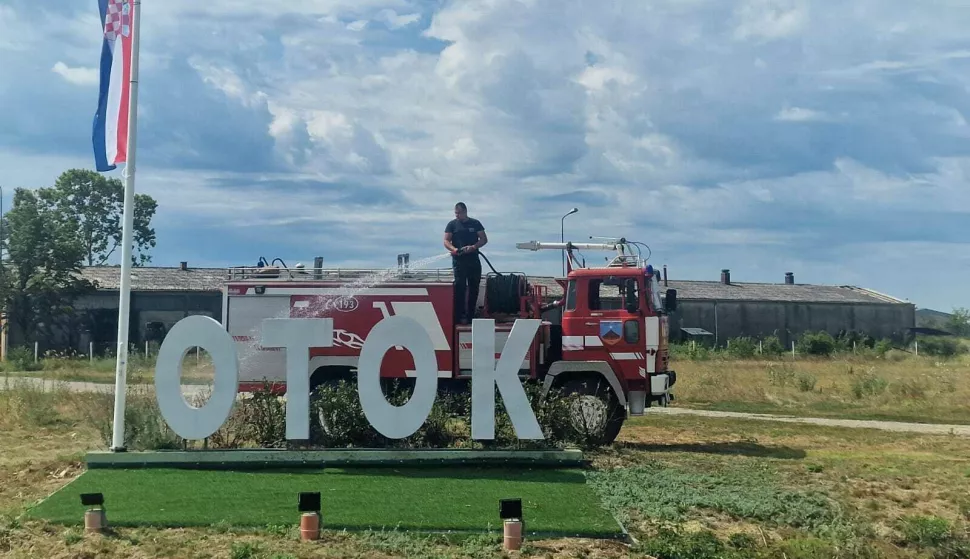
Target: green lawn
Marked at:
554, 502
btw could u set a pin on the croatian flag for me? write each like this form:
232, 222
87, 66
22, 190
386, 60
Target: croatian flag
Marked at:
111, 120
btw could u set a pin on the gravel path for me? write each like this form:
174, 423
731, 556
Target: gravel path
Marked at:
898, 426
187, 389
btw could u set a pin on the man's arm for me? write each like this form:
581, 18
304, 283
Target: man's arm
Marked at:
482, 240
451, 248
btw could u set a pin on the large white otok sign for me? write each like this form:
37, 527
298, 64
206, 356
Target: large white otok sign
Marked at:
297, 335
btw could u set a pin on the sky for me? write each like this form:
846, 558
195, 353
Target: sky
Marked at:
825, 139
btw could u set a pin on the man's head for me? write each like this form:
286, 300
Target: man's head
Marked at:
461, 211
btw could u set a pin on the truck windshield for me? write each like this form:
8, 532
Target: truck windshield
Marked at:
654, 299
571, 296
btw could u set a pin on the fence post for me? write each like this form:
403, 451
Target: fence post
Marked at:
91, 351
36, 351
196, 355
793, 350
761, 349
146, 349
917, 347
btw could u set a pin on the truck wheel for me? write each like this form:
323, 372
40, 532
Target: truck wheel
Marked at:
596, 414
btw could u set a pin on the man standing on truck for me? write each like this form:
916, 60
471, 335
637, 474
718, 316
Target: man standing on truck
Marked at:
463, 237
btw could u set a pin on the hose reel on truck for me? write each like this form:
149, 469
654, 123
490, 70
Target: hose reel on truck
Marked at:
504, 292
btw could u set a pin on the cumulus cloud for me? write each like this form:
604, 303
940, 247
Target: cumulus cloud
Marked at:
77, 76
756, 135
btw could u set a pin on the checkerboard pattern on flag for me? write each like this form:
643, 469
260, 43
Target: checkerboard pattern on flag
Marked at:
111, 119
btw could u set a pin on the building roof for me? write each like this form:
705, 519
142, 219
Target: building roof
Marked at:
688, 290
144, 278
212, 279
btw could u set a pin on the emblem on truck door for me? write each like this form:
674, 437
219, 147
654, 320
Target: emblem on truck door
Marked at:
611, 331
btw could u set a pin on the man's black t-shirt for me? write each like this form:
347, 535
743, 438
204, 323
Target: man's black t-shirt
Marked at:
464, 234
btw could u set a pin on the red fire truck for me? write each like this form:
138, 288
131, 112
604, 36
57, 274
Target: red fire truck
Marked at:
610, 347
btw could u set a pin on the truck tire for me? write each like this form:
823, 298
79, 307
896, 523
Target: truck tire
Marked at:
596, 415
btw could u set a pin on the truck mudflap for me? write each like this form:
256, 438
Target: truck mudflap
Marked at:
660, 385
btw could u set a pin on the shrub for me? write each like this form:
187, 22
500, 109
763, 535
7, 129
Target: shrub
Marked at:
691, 352
780, 375
772, 346
940, 347
338, 420
264, 416
145, 428
816, 343
924, 530
806, 382
742, 348
882, 347
24, 403
868, 385
21, 358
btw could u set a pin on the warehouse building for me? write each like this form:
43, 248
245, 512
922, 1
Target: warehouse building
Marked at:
730, 309
720, 310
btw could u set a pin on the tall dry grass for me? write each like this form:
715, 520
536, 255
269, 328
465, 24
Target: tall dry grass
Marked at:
897, 386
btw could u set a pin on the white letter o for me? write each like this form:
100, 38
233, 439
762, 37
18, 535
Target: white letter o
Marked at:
186, 421
392, 421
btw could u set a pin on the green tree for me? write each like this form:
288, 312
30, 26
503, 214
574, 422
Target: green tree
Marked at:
94, 206
40, 276
959, 322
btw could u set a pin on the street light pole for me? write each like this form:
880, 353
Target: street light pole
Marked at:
562, 237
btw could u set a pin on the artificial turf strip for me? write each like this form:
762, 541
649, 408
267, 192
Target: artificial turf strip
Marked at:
554, 502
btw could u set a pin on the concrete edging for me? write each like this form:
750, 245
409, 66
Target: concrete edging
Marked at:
272, 458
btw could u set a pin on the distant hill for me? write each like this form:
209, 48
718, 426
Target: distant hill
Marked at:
929, 318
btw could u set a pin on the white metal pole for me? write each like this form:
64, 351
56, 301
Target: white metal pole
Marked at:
121, 367
91, 352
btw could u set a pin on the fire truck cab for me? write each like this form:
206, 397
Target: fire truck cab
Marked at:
614, 335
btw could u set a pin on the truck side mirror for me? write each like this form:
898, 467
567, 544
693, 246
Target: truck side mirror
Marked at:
670, 303
632, 302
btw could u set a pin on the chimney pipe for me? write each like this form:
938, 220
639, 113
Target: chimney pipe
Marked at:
789, 278
726, 276
665, 275
317, 267
183, 266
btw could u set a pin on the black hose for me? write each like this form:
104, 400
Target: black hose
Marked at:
489, 263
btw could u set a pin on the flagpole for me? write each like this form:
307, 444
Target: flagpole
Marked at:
121, 367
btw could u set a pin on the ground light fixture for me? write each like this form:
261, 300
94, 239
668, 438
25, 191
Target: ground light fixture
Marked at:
95, 519
510, 511
309, 505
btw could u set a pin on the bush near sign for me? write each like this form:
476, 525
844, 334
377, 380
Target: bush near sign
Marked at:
298, 335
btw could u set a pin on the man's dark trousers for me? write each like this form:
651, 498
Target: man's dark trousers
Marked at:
468, 277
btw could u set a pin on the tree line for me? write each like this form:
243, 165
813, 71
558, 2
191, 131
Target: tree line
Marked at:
49, 234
